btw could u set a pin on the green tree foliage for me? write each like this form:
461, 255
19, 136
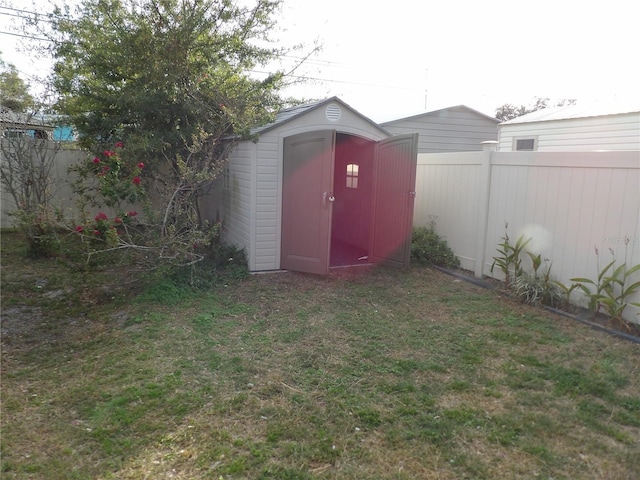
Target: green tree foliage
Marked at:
171, 81
509, 111
156, 73
14, 91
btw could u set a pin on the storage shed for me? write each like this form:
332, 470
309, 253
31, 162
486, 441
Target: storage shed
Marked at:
320, 187
452, 129
573, 128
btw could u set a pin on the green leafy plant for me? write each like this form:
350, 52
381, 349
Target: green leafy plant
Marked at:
40, 226
537, 287
610, 291
509, 260
222, 263
27, 163
566, 292
429, 248
612, 288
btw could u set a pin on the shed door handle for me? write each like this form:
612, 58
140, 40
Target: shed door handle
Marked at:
327, 196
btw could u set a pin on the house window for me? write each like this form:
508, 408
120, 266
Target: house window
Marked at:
352, 175
14, 133
40, 134
525, 144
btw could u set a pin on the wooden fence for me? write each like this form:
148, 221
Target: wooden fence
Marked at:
568, 203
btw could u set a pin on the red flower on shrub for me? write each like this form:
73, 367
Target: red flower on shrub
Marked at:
141, 165
96, 160
119, 145
97, 232
136, 180
132, 213
117, 220
79, 229
109, 153
101, 216
106, 168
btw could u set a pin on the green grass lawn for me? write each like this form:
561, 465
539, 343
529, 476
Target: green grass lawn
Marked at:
368, 373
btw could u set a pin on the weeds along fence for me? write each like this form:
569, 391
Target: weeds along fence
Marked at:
62, 195
568, 203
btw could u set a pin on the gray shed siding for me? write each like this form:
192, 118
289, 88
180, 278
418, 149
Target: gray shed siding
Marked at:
252, 204
454, 129
238, 196
267, 206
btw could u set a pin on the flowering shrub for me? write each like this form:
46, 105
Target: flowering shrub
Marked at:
106, 230
108, 179
118, 180
174, 234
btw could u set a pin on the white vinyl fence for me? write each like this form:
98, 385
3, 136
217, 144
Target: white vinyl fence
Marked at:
568, 203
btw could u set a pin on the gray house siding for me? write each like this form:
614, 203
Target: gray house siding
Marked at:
454, 129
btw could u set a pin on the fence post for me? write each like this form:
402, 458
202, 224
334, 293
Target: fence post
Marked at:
484, 178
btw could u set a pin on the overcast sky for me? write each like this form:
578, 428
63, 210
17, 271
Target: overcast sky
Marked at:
398, 58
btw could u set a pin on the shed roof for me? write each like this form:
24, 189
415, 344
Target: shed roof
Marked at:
440, 112
570, 112
291, 113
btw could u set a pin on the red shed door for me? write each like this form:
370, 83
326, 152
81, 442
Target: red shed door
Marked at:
307, 201
394, 180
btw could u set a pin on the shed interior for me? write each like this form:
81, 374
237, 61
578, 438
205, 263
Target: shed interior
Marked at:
353, 191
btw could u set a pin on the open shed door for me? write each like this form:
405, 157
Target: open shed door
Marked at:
394, 180
307, 200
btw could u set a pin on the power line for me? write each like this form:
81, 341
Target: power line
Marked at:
25, 36
299, 77
308, 61
20, 14
12, 15
31, 16
346, 82
11, 9
25, 17
29, 12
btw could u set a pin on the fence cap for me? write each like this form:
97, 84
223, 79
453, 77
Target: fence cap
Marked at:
489, 145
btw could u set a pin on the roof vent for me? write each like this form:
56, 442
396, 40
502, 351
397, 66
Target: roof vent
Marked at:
333, 112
